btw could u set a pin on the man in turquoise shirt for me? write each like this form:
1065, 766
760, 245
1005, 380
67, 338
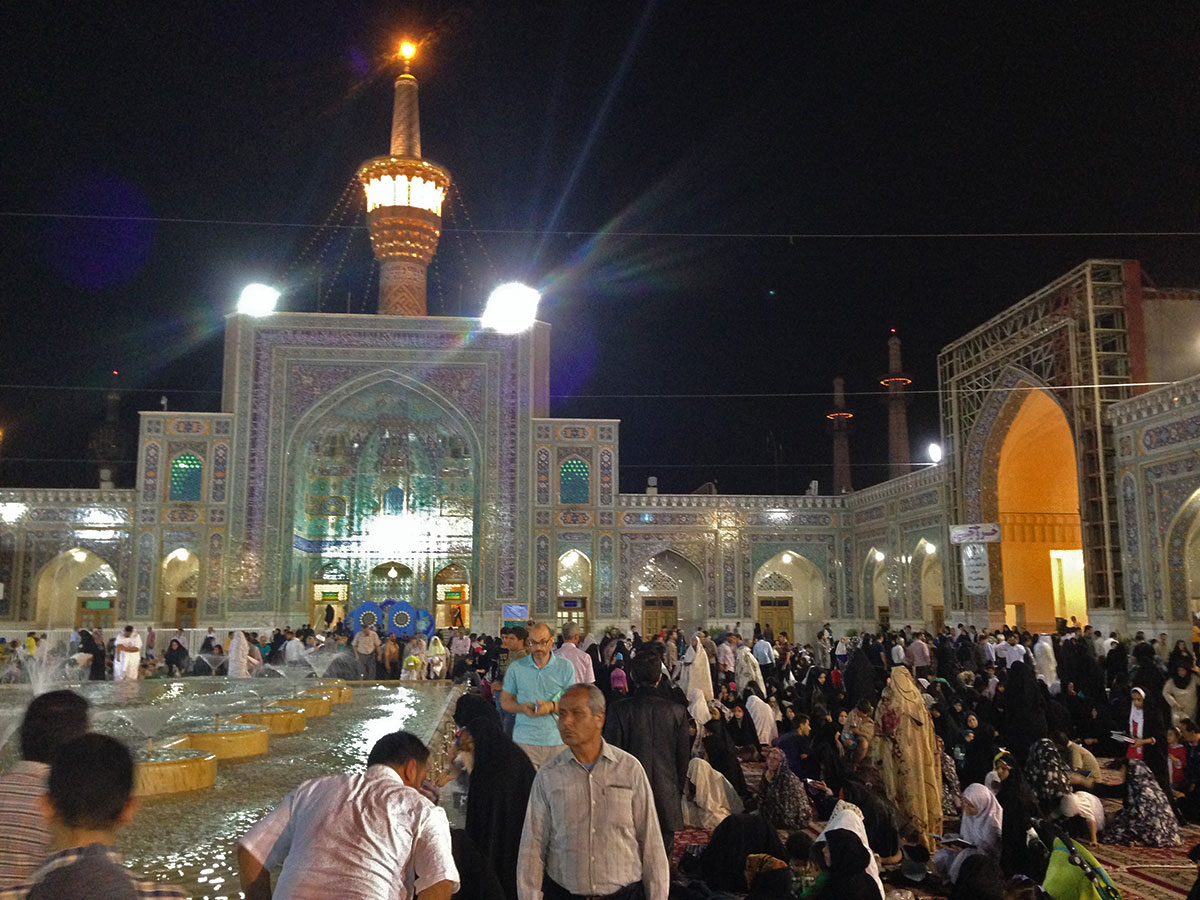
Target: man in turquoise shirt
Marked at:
532, 686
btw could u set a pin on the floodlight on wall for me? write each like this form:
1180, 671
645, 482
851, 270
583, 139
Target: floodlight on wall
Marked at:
879, 557
935, 453
257, 300
786, 558
511, 308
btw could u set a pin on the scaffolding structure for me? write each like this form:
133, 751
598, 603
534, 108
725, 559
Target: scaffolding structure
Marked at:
1073, 337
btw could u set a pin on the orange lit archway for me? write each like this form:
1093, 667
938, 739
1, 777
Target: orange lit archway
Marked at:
1038, 499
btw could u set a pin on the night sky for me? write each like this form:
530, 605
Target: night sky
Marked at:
716, 199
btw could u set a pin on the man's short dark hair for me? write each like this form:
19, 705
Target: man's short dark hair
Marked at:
645, 668
397, 748
51, 720
798, 845
91, 779
801, 718
520, 632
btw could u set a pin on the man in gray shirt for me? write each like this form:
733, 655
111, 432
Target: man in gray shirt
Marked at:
590, 828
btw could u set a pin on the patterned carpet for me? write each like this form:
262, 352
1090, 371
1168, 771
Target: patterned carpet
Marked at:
1141, 873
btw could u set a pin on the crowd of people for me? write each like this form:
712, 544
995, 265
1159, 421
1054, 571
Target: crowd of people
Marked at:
88, 655
965, 764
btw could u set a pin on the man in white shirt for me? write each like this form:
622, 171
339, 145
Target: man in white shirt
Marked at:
571, 636
591, 828
898, 651
765, 654
366, 651
128, 658
293, 649
367, 836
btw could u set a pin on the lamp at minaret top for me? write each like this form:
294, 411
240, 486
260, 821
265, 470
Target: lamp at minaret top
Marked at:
404, 203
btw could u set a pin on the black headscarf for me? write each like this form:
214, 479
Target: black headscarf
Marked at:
472, 706
1019, 805
848, 861
981, 750
497, 798
1024, 719
858, 679
722, 755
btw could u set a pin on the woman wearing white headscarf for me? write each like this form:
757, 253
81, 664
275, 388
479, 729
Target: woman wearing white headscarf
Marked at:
1044, 662
846, 817
694, 671
698, 708
708, 797
747, 671
763, 718
982, 821
239, 656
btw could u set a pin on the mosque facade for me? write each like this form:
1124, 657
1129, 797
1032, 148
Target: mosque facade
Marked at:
406, 461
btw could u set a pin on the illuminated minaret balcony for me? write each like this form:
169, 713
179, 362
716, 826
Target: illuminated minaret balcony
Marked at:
404, 196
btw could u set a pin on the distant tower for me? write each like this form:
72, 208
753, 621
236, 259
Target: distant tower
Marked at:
106, 444
896, 382
839, 426
404, 204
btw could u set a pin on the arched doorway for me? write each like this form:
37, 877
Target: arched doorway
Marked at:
452, 597
574, 589
1037, 490
875, 587
330, 590
927, 563
670, 590
789, 595
77, 589
180, 583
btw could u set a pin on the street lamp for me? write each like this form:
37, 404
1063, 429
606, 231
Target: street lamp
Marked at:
257, 300
511, 308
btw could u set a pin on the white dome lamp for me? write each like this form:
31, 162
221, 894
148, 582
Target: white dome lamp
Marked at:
257, 300
511, 308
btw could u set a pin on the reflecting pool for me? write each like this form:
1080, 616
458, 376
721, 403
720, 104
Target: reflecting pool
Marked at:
188, 839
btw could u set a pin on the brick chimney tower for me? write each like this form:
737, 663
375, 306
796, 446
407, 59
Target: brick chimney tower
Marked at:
896, 382
839, 428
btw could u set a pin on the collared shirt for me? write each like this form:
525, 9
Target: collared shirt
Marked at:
898, 654
293, 651
918, 654
94, 870
366, 641
725, 656
592, 832
367, 836
25, 836
528, 684
460, 645
764, 652
580, 660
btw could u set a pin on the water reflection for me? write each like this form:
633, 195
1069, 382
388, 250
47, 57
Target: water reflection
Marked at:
188, 839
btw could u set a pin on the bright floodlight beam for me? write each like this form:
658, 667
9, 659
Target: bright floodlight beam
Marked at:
257, 300
935, 453
511, 308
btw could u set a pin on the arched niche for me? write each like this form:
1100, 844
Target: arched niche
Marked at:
670, 591
179, 583
76, 589
876, 602
789, 594
1037, 495
573, 579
